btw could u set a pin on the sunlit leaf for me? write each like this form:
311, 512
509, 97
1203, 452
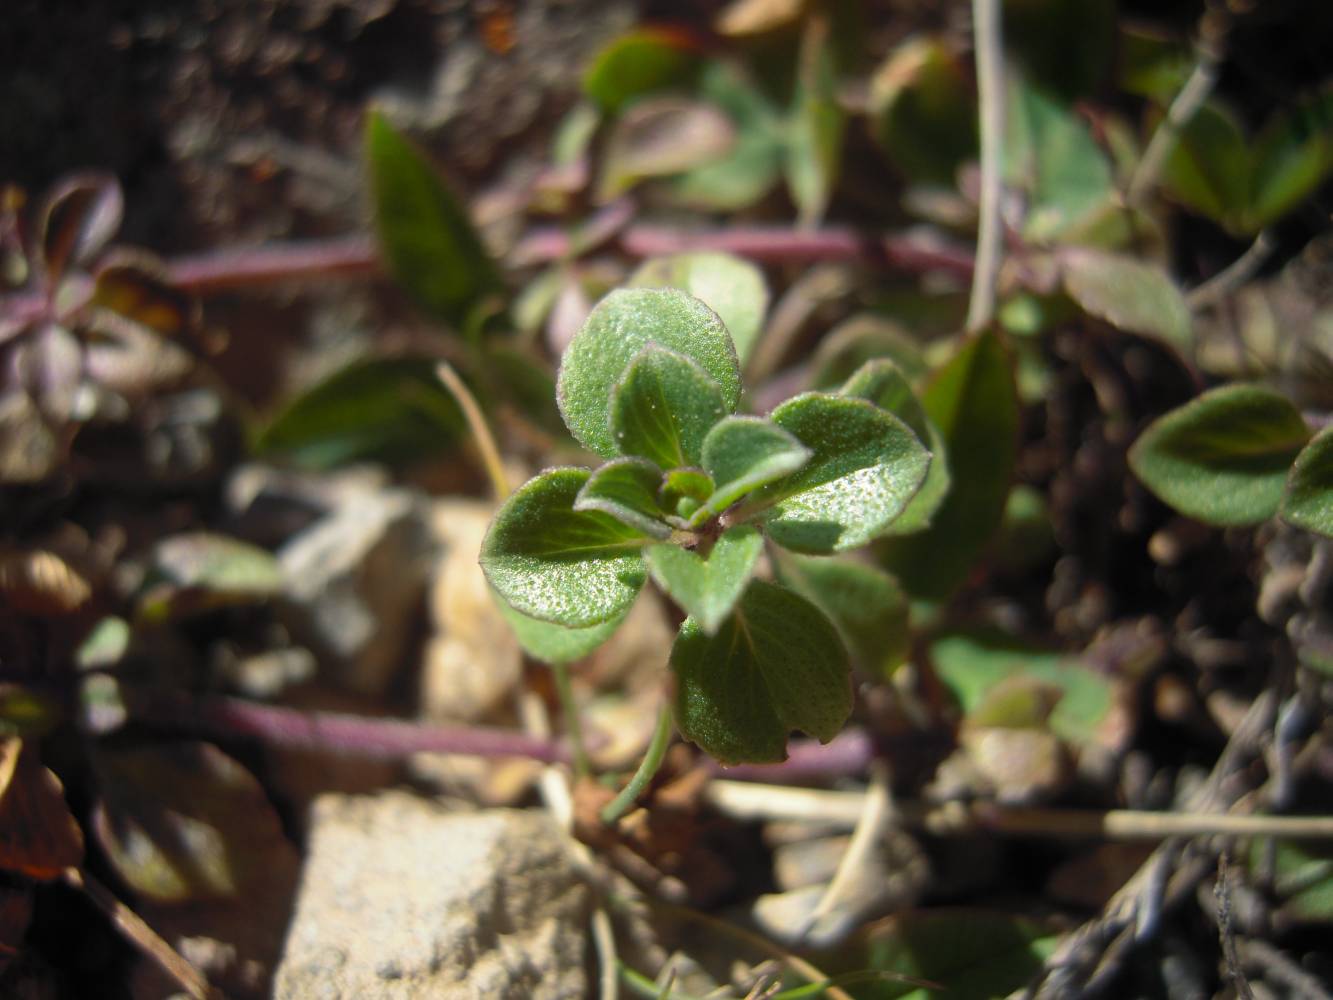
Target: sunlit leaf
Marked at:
663, 406
973, 403
385, 409
1222, 458
1051, 155
627, 489
881, 382
1308, 499
776, 665
1128, 293
731, 287
637, 63
428, 240
865, 466
707, 587
185, 822
868, 607
619, 327
551, 562
741, 454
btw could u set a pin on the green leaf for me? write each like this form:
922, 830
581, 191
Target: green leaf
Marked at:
636, 63
199, 571
553, 643
1051, 155
1291, 158
1130, 294
693, 483
627, 489
743, 453
619, 327
1303, 878
775, 665
866, 465
881, 382
1308, 500
754, 164
973, 954
731, 287
861, 338
923, 112
707, 587
973, 402
426, 235
549, 561
814, 139
391, 410
973, 664
868, 607
663, 408
659, 137
1208, 170
1222, 458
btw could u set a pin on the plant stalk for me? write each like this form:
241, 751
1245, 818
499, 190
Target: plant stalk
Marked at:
652, 760
569, 708
990, 83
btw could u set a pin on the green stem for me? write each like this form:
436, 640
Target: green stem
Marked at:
652, 760
565, 691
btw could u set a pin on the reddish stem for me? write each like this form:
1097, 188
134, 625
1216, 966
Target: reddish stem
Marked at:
848, 753
250, 266
330, 731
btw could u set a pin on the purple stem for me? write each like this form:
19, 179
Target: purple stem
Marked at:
330, 731
848, 753
359, 256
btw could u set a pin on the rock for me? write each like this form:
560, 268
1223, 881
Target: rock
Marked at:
473, 662
354, 580
403, 899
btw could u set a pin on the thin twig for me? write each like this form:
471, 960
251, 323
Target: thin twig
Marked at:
1225, 935
1235, 274
133, 928
852, 865
990, 84
1183, 108
1256, 953
481, 431
652, 760
330, 732
797, 964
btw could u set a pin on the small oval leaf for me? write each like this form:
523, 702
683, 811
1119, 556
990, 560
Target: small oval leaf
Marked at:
731, 287
549, 561
79, 219
1222, 458
742, 454
866, 464
619, 327
627, 489
663, 408
553, 643
777, 664
707, 587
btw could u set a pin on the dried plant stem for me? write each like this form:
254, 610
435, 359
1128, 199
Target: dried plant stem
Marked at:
990, 84
797, 964
749, 800
604, 940
481, 431
329, 732
1187, 102
143, 937
1235, 274
652, 760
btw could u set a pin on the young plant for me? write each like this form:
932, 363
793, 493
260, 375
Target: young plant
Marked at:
689, 494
